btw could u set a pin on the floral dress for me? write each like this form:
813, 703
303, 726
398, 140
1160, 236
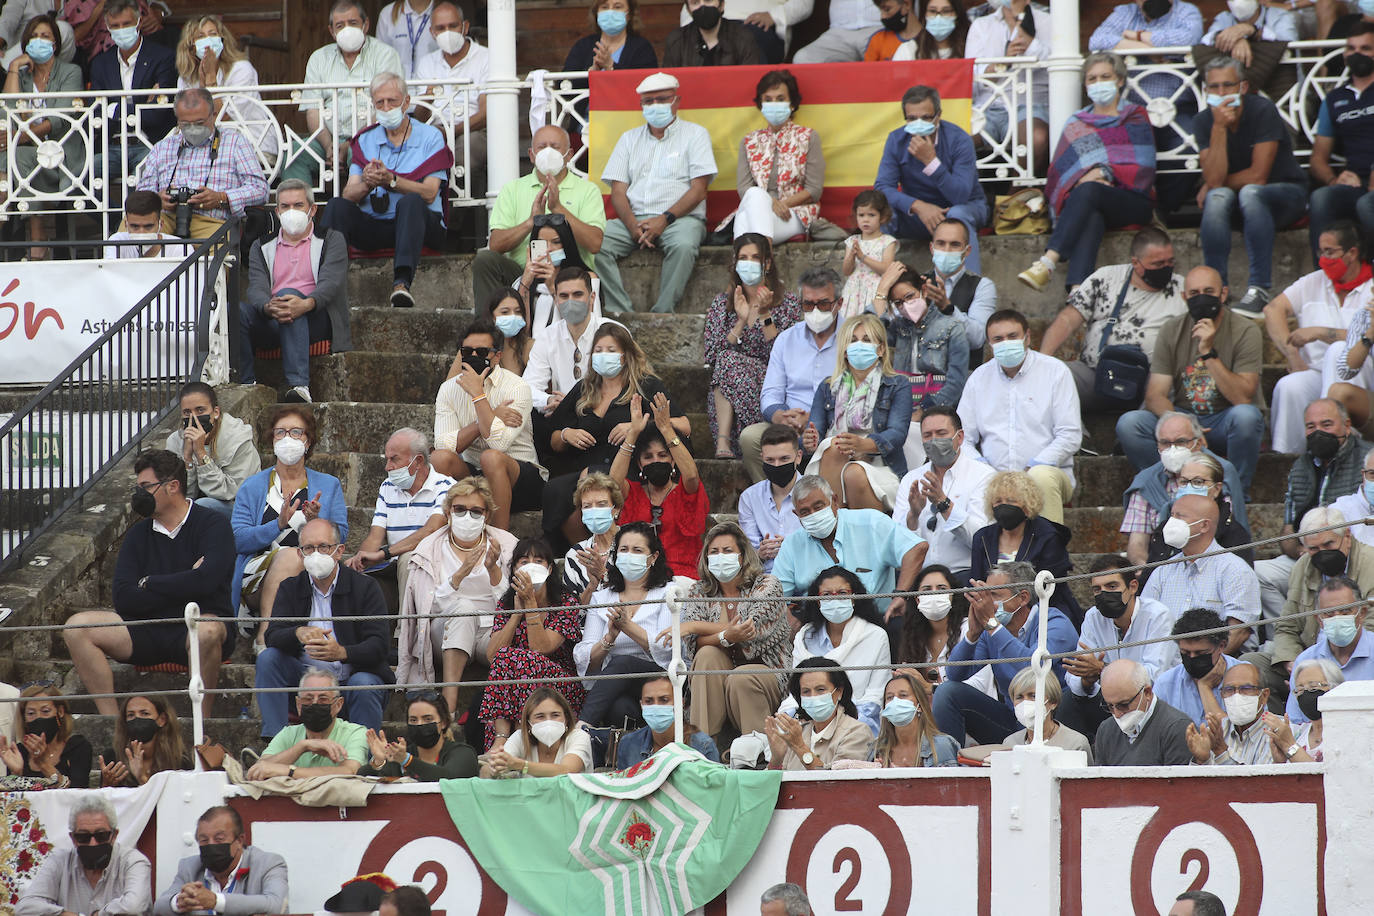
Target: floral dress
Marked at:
738, 370
518, 660
862, 284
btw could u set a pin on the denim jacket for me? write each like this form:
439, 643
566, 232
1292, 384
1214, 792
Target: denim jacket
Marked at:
891, 418
937, 345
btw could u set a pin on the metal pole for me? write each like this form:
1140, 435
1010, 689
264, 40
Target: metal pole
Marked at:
195, 687
503, 98
1039, 658
1065, 66
675, 665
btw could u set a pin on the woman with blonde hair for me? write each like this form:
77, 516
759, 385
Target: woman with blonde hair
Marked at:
599, 499
147, 741
751, 638
908, 735
1022, 691
458, 572
547, 743
209, 56
45, 745
865, 410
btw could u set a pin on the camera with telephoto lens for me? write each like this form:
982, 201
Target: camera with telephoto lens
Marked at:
182, 197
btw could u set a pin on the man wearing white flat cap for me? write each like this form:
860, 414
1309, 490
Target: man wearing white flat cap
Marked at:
658, 175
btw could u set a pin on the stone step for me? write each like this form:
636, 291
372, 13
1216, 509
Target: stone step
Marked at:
1102, 480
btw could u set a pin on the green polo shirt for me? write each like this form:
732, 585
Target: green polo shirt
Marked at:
580, 196
352, 737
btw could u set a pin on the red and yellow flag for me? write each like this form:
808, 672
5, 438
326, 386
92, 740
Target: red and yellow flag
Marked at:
852, 106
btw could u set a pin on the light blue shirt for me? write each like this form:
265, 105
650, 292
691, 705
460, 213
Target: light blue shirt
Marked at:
1274, 25
322, 616
659, 171
817, 642
854, 14
1222, 583
867, 543
796, 365
979, 310
1359, 668
1180, 691
1150, 620
420, 145
760, 515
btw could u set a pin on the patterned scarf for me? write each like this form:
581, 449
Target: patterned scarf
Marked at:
854, 402
1124, 145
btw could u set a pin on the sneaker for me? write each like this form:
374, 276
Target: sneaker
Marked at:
1037, 276
1253, 303
401, 297
298, 395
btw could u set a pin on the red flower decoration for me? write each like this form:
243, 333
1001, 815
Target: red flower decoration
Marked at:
641, 767
35, 834
21, 815
240, 874
639, 837
17, 828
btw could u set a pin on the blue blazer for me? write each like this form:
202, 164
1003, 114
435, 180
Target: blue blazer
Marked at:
891, 417
156, 66
251, 537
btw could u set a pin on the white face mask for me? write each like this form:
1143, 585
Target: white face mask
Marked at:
450, 42
289, 451
537, 574
1177, 532
350, 38
1243, 9
1025, 713
294, 222
819, 321
934, 607
319, 564
549, 732
1174, 458
548, 161
1241, 710
466, 528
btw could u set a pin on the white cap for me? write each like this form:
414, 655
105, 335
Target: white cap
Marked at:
656, 82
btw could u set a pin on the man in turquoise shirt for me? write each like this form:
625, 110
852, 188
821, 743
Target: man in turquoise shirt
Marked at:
323, 744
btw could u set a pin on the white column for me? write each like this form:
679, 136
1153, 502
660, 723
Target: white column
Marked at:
1025, 828
503, 99
1347, 736
1065, 66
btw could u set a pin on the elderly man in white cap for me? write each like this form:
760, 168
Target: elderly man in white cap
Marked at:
658, 175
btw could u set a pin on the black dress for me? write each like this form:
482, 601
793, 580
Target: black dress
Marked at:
637, 54
74, 763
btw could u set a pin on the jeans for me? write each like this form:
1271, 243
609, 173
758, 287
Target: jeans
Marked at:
1264, 208
1089, 211
277, 669
1337, 202
414, 227
224, 507
972, 214
770, 43
1234, 433
962, 710
679, 243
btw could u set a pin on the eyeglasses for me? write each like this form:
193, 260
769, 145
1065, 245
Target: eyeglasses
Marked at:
1313, 688
1125, 707
151, 487
1195, 482
1172, 443
1368, 474
307, 550
1331, 252
460, 511
823, 304
1222, 87
295, 433
86, 837
1245, 690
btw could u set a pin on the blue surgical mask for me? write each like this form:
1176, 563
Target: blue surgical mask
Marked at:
607, 365
820, 524
510, 325
391, 118
402, 478
612, 22
39, 50
947, 262
1341, 631
1102, 92
1369, 484
776, 113
557, 256
124, 39
749, 272
658, 718
940, 27
633, 566
899, 711
919, 127
820, 708
212, 43
1003, 615
861, 354
837, 610
1191, 490
659, 114
598, 519
1009, 353
1217, 101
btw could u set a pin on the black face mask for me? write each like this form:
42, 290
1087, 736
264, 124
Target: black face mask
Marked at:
1110, 604
1157, 277
1153, 9
1307, 702
895, 23
142, 502
140, 729
204, 421
706, 17
1203, 306
1198, 666
317, 717
46, 727
1322, 444
1359, 66
659, 472
1329, 562
95, 856
1008, 516
780, 475
425, 736
217, 857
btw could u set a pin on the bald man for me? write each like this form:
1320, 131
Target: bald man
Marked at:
547, 191
1222, 583
1206, 363
1242, 736
1143, 729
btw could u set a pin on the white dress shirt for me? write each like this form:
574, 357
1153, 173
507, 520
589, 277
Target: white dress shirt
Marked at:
951, 540
551, 359
1032, 417
1149, 620
658, 171
126, 67
475, 67
1355, 505
988, 36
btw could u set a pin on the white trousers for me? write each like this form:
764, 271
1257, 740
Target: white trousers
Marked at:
1296, 390
756, 215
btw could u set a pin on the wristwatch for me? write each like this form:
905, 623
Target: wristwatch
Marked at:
1368, 344
291, 771
1210, 354
724, 643
670, 216
941, 506
677, 440
808, 758
992, 624
1291, 752
386, 551
768, 322
392, 183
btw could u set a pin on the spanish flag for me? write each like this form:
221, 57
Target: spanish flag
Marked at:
852, 106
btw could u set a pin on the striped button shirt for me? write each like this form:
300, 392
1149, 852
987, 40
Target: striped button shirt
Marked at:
1223, 583
402, 514
227, 163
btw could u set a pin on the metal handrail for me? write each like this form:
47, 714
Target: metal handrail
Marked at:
99, 381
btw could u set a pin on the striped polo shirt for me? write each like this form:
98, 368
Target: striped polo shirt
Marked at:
402, 514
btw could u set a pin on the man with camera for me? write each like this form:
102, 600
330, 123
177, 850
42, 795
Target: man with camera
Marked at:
203, 174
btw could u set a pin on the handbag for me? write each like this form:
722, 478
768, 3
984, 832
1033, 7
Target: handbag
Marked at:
1122, 369
1024, 213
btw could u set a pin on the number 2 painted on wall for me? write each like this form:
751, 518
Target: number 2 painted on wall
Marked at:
1203, 871
843, 902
